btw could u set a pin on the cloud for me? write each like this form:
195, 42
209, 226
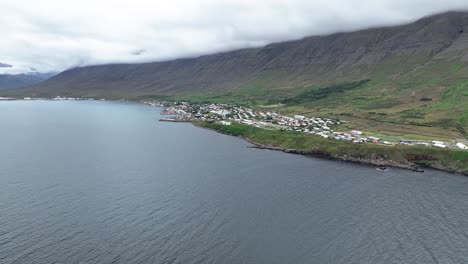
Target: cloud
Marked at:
53, 35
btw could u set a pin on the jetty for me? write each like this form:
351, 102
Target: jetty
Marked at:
175, 120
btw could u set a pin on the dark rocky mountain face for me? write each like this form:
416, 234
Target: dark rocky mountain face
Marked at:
320, 59
13, 81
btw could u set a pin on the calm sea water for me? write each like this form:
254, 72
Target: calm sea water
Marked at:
105, 182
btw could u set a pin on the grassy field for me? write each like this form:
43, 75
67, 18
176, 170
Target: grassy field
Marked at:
448, 159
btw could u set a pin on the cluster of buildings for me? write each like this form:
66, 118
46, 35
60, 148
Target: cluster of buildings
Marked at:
357, 136
225, 114
325, 127
60, 98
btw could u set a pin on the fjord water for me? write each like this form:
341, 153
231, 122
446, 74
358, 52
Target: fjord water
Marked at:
105, 182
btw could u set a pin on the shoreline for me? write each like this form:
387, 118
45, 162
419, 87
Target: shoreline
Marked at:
339, 158
316, 153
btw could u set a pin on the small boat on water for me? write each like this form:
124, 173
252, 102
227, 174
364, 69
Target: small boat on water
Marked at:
382, 168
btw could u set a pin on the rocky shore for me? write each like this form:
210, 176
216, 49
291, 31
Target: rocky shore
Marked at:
374, 160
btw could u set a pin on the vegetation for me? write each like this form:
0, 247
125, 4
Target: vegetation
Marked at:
448, 159
321, 93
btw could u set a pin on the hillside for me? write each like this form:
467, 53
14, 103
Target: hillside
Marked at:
13, 81
409, 79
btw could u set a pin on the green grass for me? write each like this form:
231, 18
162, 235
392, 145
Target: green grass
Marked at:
450, 159
315, 94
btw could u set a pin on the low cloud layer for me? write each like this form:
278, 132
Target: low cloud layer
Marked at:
52, 35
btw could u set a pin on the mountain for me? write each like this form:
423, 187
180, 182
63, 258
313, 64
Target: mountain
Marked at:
13, 81
409, 78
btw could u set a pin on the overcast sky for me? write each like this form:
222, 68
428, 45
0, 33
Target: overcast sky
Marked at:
53, 35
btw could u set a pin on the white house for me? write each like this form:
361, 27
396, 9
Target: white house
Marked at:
461, 146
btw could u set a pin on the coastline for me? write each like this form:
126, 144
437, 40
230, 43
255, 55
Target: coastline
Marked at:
372, 162
376, 159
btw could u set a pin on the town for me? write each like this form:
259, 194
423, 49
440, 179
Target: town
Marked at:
225, 114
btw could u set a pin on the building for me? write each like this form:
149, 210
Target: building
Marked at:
461, 146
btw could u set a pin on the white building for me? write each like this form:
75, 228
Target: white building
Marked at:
461, 146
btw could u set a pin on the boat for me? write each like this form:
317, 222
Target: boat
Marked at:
382, 168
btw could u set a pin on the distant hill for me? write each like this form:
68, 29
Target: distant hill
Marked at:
13, 81
408, 78
4, 65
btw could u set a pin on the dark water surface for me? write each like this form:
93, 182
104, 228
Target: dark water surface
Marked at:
104, 182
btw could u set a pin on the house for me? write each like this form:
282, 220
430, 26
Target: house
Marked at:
410, 142
356, 132
438, 144
423, 144
222, 112
461, 146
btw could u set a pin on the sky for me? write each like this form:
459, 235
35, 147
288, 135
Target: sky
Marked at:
54, 35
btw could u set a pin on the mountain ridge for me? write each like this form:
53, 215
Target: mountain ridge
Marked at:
426, 60
15, 81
